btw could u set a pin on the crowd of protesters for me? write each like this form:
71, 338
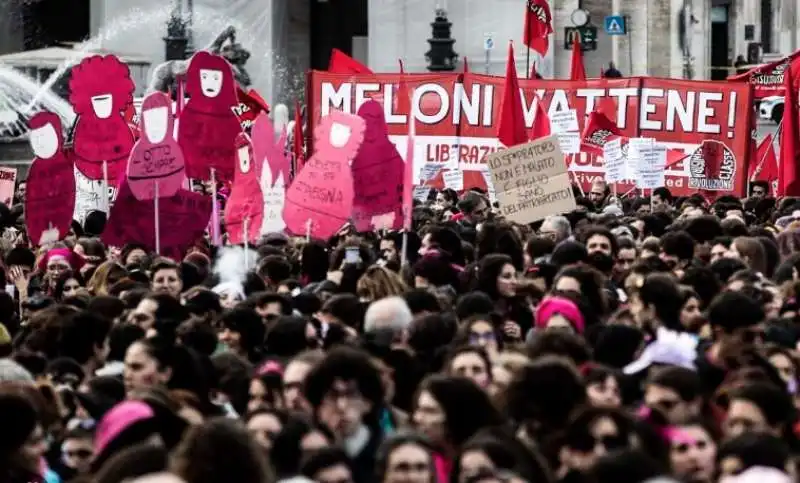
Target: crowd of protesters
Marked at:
631, 340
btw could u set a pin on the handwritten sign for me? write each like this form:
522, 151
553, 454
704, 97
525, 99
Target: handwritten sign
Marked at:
635, 147
8, 183
453, 180
421, 193
156, 158
322, 193
614, 161
652, 163
564, 121
89, 196
50, 195
101, 89
531, 181
429, 171
487, 179
208, 126
377, 171
569, 142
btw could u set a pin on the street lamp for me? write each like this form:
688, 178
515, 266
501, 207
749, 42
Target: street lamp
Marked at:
176, 40
441, 56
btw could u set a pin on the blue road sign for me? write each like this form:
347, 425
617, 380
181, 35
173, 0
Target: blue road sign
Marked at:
615, 25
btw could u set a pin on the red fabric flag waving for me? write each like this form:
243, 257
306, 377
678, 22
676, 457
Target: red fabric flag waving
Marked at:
342, 63
789, 181
767, 167
541, 123
762, 152
577, 71
511, 128
538, 25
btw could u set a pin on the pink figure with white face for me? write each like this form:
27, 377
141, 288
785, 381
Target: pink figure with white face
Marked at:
320, 199
101, 89
208, 126
246, 201
274, 171
50, 195
156, 158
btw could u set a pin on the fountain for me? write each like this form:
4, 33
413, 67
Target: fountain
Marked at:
17, 105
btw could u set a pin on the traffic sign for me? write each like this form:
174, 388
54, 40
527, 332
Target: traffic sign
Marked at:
587, 36
488, 42
615, 25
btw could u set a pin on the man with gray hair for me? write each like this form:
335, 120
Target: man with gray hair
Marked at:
556, 228
389, 315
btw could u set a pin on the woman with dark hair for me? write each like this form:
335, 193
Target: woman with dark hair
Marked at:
449, 411
242, 332
497, 278
586, 282
470, 362
68, 285
500, 238
314, 259
498, 450
297, 439
264, 425
482, 331
603, 385
22, 440
405, 458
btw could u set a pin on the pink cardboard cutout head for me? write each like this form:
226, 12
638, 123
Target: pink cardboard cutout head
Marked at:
246, 201
50, 195
270, 152
101, 89
183, 220
321, 196
208, 126
156, 159
377, 173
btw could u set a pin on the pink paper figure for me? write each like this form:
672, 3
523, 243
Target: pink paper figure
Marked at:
101, 89
320, 199
50, 195
208, 127
377, 174
156, 158
246, 202
274, 160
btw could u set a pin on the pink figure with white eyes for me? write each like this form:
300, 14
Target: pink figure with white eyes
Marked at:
245, 205
156, 159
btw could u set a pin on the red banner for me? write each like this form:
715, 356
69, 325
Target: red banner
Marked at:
456, 116
767, 79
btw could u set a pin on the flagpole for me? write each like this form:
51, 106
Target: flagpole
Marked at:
528, 62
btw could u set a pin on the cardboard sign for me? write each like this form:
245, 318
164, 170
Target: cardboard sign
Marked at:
50, 193
90, 195
183, 219
531, 181
208, 126
275, 164
454, 180
322, 194
614, 160
101, 89
246, 203
377, 172
156, 158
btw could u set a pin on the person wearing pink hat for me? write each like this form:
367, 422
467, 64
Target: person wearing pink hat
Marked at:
559, 312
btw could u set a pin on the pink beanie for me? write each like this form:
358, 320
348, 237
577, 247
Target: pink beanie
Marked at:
117, 420
553, 305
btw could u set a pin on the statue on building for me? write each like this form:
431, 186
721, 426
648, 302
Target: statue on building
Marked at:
224, 44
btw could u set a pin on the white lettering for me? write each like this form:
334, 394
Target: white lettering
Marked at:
590, 95
646, 107
676, 110
558, 102
623, 94
704, 112
528, 108
470, 105
361, 93
336, 98
388, 106
488, 96
444, 103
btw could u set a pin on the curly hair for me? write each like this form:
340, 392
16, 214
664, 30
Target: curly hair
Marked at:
379, 282
97, 75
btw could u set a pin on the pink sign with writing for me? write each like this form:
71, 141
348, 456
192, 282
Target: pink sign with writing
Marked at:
377, 174
207, 127
156, 163
50, 190
320, 199
275, 163
245, 209
101, 89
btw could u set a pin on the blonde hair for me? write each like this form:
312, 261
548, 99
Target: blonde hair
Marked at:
379, 282
106, 274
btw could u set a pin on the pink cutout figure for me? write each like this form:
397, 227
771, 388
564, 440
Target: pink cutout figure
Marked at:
50, 196
156, 157
271, 155
208, 127
322, 194
377, 174
246, 201
101, 89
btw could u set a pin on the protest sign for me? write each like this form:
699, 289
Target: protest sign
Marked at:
453, 180
90, 195
156, 163
377, 172
8, 183
208, 126
636, 147
244, 211
531, 181
457, 115
429, 172
50, 194
421, 193
274, 164
767, 79
101, 89
614, 160
564, 121
652, 159
320, 199
569, 142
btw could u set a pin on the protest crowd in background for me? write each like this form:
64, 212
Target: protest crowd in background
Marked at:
552, 291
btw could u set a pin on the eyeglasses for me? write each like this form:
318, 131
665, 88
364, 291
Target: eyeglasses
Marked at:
609, 442
477, 337
78, 454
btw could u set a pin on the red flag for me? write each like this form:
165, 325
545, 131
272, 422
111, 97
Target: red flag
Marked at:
511, 128
608, 107
297, 139
541, 123
466, 65
342, 63
789, 183
538, 26
577, 72
767, 167
757, 164
533, 73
